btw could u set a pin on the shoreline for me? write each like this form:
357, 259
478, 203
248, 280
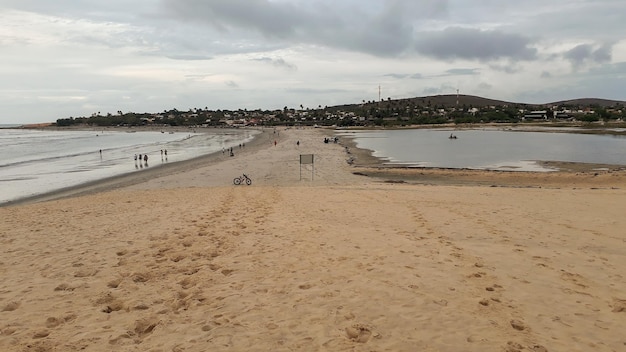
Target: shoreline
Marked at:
361, 163
133, 177
363, 157
566, 174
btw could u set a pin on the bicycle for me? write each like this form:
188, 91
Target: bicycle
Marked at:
241, 179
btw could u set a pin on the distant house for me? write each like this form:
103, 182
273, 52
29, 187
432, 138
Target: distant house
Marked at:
564, 114
536, 115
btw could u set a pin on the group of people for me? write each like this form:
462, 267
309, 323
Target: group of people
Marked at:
140, 157
144, 157
230, 150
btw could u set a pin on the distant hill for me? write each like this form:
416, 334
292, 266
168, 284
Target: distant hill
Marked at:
450, 100
590, 102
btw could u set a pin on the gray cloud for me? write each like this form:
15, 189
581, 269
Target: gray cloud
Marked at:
562, 19
462, 72
475, 44
405, 75
587, 53
70, 55
189, 57
431, 90
306, 91
485, 86
442, 89
397, 75
232, 84
604, 82
509, 68
110, 10
270, 19
383, 29
280, 63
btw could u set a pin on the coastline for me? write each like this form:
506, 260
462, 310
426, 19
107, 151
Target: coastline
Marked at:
134, 177
361, 163
317, 259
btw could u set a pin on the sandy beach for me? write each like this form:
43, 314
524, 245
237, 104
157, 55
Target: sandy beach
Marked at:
322, 257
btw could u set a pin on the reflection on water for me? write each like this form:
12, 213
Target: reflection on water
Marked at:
489, 149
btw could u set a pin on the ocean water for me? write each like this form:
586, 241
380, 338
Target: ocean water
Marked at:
489, 149
34, 162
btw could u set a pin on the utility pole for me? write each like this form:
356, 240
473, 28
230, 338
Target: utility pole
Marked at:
379, 92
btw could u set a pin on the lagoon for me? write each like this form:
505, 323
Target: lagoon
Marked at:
489, 149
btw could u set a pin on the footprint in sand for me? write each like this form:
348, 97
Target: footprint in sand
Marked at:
518, 325
145, 327
115, 283
477, 274
359, 333
86, 272
619, 305
574, 278
65, 287
140, 277
41, 334
53, 322
11, 306
177, 258
188, 282
110, 303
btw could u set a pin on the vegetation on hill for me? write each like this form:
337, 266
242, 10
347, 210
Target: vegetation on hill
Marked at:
440, 109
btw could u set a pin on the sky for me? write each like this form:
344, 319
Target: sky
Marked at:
71, 58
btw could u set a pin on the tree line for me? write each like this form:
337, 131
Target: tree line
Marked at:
383, 113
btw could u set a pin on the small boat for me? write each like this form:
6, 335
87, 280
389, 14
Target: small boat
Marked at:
452, 136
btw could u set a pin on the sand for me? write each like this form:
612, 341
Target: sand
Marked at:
183, 260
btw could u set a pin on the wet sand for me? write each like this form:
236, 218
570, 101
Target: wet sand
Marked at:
319, 258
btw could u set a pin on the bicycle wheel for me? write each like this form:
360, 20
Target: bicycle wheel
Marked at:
237, 181
248, 181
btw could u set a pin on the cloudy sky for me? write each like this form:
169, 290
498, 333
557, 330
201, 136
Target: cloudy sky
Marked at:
67, 58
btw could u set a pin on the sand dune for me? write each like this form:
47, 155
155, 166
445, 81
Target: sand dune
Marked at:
189, 262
